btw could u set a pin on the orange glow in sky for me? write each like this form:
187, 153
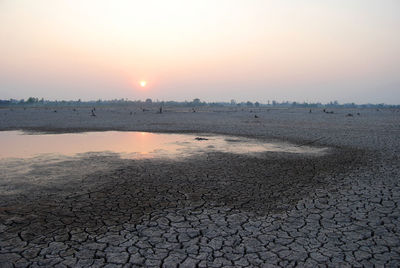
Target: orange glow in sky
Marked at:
255, 50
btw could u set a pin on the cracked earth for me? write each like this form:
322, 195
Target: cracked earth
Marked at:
220, 209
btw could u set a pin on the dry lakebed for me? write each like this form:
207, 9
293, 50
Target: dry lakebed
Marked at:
218, 187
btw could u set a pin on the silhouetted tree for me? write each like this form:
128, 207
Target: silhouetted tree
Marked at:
249, 104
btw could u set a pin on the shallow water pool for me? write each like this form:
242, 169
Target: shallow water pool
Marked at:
136, 145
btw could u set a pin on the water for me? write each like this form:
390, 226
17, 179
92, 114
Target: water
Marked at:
135, 145
61, 163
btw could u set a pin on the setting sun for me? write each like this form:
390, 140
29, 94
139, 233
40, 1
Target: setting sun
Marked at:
143, 83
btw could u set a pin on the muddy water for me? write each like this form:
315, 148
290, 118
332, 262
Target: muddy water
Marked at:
38, 165
135, 145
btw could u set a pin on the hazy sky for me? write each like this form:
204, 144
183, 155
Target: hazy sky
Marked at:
300, 50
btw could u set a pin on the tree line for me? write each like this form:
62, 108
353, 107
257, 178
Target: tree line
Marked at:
34, 101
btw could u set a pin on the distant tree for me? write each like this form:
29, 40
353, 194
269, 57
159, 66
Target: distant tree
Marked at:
249, 104
31, 100
233, 102
149, 101
196, 101
257, 104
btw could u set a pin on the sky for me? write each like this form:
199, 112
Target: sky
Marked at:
215, 50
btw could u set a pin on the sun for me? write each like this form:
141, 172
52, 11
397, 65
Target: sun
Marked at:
143, 83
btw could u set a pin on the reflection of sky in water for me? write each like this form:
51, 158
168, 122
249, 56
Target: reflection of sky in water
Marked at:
16, 144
